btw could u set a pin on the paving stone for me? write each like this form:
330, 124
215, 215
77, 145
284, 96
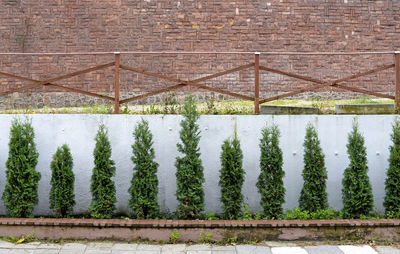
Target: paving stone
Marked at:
45, 251
146, 252
5, 244
49, 246
74, 246
325, 249
350, 249
198, 252
387, 250
199, 247
288, 250
124, 246
223, 248
148, 247
100, 245
252, 249
98, 251
15, 251
71, 251
280, 244
174, 248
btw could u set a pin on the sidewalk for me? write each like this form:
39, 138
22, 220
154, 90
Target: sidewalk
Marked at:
122, 248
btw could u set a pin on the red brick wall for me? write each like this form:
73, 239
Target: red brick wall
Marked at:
274, 25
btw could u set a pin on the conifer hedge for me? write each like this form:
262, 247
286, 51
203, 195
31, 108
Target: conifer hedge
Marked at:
231, 178
62, 198
189, 169
313, 196
21, 191
392, 183
102, 186
357, 191
270, 180
144, 184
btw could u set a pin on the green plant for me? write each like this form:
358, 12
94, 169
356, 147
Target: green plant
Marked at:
21, 189
62, 197
393, 214
324, 214
231, 240
208, 238
231, 177
246, 213
297, 214
357, 191
174, 237
270, 180
102, 186
189, 173
210, 216
171, 105
144, 184
313, 196
392, 198
211, 108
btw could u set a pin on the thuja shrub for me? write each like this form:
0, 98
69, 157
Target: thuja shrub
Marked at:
21, 191
313, 196
189, 169
270, 180
357, 190
62, 198
144, 184
231, 178
102, 186
392, 183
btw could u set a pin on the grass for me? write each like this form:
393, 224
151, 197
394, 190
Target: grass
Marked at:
209, 107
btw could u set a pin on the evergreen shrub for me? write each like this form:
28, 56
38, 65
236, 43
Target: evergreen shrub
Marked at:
357, 191
313, 196
62, 198
231, 178
270, 180
392, 183
21, 191
144, 184
189, 169
102, 186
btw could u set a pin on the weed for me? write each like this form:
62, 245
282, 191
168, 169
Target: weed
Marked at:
174, 237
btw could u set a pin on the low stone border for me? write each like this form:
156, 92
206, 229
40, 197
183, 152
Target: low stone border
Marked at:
195, 230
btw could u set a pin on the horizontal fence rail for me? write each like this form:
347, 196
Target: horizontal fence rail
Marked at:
180, 83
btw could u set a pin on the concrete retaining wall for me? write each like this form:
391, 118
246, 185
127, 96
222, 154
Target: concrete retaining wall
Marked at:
79, 131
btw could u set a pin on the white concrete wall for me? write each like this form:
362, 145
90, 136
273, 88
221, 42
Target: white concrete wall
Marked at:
78, 131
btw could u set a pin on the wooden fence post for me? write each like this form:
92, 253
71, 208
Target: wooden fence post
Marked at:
257, 83
397, 77
116, 87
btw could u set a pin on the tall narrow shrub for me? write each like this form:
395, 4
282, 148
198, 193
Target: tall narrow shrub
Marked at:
21, 191
357, 191
392, 183
144, 184
189, 169
231, 178
270, 180
62, 198
102, 186
313, 196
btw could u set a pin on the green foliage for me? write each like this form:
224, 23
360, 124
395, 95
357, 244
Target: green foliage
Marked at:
313, 196
393, 214
231, 178
102, 186
301, 214
174, 237
62, 198
206, 238
357, 190
189, 173
270, 180
21, 191
210, 216
392, 183
144, 184
246, 213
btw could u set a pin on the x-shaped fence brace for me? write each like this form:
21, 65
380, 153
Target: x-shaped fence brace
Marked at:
196, 82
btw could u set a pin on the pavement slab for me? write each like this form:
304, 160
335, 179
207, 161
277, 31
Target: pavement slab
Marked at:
351, 249
325, 249
252, 249
288, 250
387, 250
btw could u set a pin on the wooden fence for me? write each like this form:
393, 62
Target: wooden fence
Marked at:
318, 84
